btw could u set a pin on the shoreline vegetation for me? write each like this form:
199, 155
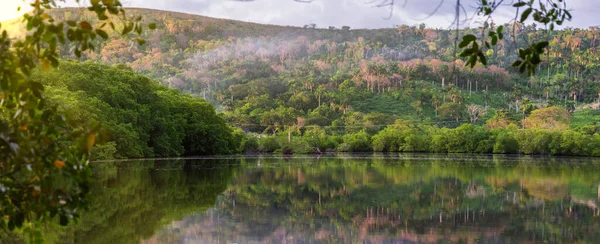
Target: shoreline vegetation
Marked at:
137, 116
466, 138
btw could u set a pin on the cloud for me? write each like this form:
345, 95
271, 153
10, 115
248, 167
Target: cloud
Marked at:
353, 13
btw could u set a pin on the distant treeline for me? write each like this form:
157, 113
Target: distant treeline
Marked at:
467, 138
138, 117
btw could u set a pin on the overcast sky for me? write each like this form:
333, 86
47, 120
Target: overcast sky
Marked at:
353, 13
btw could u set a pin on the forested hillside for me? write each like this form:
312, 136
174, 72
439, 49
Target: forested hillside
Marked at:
253, 72
270, 79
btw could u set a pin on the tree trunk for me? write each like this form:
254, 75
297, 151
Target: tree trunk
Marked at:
470, 87
319, 100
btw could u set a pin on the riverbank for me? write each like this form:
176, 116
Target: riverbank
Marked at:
467, 138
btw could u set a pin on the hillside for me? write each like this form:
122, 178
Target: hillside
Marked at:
263, 77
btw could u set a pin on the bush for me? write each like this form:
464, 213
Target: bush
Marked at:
387, 140
104, 151
466, 138
534, 141
250, 144
574, 143
269, 144
506, 143
319, 139
358, 142
440, 140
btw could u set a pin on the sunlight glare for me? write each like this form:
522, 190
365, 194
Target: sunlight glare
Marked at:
8, 9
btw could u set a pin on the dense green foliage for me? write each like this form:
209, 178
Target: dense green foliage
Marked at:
138, 116
287, 80
264, 77
547, 137
44, 155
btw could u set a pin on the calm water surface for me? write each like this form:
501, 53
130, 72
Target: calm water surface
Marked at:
356, 199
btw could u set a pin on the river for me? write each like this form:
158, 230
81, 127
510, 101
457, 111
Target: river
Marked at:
398, 198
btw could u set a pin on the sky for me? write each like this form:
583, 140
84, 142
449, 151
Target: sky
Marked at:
337, 13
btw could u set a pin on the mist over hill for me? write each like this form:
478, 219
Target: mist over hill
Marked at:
263, 77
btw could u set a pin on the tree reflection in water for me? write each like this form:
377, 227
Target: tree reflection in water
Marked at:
409, 198
370, 199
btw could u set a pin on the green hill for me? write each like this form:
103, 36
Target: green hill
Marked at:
264, 78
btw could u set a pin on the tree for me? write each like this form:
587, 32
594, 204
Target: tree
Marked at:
475, 112
526, 108
44, 158
501, 119
551, 118
436, 101
451, 111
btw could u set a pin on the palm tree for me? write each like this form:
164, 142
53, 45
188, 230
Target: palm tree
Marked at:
436, 101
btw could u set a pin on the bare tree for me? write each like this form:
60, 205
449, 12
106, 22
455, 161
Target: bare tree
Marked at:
475, 112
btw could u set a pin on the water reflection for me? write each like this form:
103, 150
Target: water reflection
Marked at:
132, 200
369, 199
400, 200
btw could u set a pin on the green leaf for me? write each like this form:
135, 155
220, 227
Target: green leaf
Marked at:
469, 38
526, 14
64, 220
464, 43
519, 4
539, 47
47, 36
522, 68
482, 58
568, 14
516, 63
152, 26
19, 219
494, 40
466, 53
102, 33
472, 61
522, 53
11, 225
535, 59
